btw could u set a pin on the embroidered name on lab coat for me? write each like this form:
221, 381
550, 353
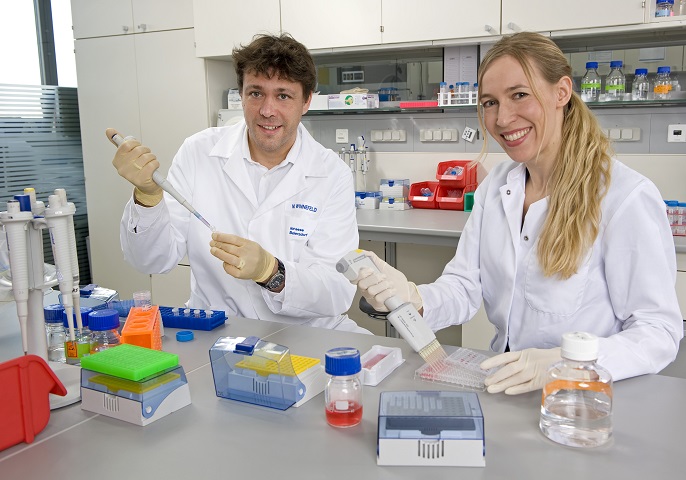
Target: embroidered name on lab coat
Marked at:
302, 206
298, 232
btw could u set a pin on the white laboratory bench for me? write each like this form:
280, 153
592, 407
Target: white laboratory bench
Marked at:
215, 437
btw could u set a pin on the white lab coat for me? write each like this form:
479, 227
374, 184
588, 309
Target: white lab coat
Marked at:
624, 291
308, 222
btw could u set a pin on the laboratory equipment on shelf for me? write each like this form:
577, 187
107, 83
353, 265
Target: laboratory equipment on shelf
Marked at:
431, 428
343, 392
134, 384
576, 406
403, 316
248, 369
640, 87
164, 184
663, 84
615, 82
590, 83
664, 8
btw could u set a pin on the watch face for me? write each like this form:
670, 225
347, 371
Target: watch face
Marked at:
276, 281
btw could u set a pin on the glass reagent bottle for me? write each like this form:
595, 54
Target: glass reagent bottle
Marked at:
343, 392
615, 82
590, 83
576, 406
104, 327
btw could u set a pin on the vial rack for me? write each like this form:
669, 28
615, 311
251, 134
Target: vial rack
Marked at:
192, 319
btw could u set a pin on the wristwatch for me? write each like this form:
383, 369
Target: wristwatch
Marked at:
276, 280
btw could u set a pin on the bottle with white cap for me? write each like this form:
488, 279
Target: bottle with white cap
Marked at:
576, 407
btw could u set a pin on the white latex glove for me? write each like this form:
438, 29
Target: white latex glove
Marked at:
520, 372
136, 163
377, 288
242, 258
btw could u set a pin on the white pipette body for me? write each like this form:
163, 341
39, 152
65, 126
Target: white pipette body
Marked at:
159, 179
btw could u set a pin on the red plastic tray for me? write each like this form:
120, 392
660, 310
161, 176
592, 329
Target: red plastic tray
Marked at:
466, 177
420, 201
446, 202
26, 382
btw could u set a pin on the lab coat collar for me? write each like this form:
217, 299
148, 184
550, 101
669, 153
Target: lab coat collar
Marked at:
512, 197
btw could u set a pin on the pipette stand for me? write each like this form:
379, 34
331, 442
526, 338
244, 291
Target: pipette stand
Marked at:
35, 326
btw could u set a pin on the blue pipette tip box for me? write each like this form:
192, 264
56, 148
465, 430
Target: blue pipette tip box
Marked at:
191, 320
431, 428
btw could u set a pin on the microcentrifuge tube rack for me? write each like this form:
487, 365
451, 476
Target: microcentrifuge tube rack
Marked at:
460, 368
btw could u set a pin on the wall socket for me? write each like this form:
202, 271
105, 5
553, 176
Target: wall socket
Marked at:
341, 135
676, 133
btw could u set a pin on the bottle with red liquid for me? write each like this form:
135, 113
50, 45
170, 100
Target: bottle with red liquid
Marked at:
343, 392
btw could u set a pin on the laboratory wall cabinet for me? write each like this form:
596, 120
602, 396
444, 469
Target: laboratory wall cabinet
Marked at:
153, 87
101, 18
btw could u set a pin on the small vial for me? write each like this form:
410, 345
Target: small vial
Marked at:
187, 311
55, 332
104, 327
142, 299
208, 313
175, 311
343, 392
82, 339
196, 312
576, 407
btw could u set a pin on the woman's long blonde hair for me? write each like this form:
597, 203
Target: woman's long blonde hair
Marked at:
581, 174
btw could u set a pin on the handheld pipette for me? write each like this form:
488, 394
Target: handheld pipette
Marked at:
167, 187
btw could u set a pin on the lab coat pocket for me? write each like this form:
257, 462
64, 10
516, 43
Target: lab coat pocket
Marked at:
298, 231
552, 295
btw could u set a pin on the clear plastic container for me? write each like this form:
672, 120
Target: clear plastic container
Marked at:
104, 327
664, 8
663, 84
343, 392
576, 407
615, 82
640, 86
54, 329
590, 83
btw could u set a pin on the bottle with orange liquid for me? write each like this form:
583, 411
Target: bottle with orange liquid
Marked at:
343, 392
576, 407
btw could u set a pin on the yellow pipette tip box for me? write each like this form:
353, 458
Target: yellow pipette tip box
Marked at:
270, 367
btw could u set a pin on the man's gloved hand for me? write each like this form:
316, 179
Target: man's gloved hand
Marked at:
242, 258
377, 288
136, 163
520, 372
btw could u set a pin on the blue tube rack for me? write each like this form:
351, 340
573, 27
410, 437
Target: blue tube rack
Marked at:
192, 322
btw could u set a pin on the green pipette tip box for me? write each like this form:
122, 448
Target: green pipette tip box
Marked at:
130, 362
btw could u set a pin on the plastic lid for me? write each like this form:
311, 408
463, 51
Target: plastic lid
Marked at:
672, 203
84, 316
591, 64
616, 63
641, 71
663, 69
106, 319
53, 313
671, 2
343, 361
184, 336
580, 346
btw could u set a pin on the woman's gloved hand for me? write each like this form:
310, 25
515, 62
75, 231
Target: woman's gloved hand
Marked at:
242, 258
378, 287
136, 163
520, 372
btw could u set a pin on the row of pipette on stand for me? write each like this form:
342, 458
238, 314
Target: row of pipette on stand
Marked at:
357, 158
24, 221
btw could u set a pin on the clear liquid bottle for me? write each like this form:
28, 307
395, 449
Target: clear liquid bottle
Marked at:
343, 392
615, 82
640, 85
55, 332
664, 8
82, 345
590, 83
576, 406
663, 84
104, 327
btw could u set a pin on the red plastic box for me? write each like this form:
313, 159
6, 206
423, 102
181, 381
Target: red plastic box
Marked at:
446, 202
466, 176
26, 382
420, 201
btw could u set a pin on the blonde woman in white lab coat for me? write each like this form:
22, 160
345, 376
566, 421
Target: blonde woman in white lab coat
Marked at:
561, 238
284, 203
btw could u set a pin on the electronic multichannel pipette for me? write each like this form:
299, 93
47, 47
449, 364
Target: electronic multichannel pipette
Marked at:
166, 186
403, 316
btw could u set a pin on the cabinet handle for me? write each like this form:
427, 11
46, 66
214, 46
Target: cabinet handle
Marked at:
142, 27
513, 26
489, 29
125, 28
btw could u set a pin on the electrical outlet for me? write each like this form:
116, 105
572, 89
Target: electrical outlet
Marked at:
341, 135
676, 133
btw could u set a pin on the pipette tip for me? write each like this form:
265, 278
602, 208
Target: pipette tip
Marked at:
207, 224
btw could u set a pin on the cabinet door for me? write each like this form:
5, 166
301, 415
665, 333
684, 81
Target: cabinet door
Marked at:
108, 97
101, 18
158, 15
319, 24
221, 25
424, 20
544, 15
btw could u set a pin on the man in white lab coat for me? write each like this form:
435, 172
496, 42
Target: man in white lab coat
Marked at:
282, 204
